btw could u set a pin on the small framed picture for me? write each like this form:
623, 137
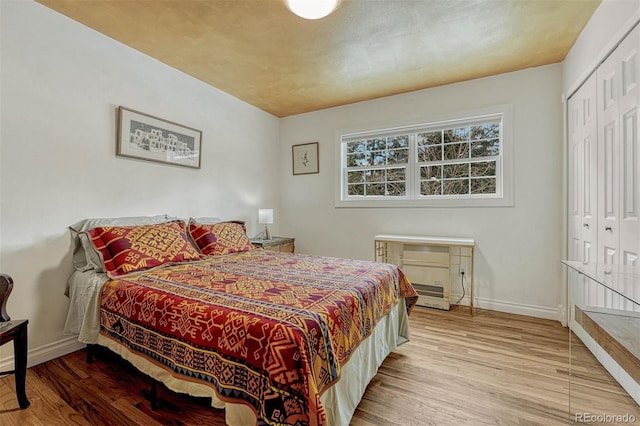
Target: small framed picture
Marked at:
305, 158
151, 138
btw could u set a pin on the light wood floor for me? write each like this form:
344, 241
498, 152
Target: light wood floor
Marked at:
492, 368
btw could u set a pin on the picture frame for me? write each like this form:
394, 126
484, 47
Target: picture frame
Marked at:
150, 138
305, 158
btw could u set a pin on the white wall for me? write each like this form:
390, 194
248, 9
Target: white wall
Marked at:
517, 266
608, 25
61, 83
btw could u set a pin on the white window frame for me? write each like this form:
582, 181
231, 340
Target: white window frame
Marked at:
504, 196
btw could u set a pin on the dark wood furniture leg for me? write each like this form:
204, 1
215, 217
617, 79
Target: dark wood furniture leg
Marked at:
17, 331
153, 395
20, 356
91, 352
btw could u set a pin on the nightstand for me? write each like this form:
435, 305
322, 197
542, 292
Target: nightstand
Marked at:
281, 244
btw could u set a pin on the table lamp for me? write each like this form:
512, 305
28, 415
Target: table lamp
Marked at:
265, 217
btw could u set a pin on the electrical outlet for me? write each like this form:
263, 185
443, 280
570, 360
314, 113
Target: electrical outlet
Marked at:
463, 270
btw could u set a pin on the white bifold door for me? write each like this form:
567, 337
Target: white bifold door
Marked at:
618, 229
604, 163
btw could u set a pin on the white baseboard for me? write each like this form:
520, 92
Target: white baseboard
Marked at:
518, 308
46, 352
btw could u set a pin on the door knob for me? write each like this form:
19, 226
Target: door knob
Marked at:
608, 228
586, 225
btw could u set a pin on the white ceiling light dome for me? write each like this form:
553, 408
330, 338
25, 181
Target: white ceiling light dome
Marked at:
312, 9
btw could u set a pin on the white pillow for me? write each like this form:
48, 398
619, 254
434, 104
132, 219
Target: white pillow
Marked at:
85, 257
206, 220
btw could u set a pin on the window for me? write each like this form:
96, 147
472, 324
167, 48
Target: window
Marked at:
377, 166
456, 162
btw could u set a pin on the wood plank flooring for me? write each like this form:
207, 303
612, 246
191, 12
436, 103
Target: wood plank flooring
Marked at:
492, 368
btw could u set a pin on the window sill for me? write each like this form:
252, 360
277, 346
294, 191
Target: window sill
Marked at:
459, 202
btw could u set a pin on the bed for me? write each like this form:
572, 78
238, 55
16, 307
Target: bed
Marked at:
274, 338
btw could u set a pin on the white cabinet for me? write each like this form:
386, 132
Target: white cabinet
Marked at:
434, 265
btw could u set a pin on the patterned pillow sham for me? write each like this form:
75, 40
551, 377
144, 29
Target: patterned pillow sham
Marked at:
220, 238
126, 249
85, 256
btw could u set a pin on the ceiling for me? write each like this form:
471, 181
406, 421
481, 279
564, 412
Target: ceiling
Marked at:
258, 51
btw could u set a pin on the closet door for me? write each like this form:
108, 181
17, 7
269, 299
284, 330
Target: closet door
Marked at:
575, 179
583, 184
618, 96
618, 160
608, 85
583, 201
629, 64
628, 116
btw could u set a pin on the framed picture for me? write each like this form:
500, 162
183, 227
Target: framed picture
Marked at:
154, 139
305, 158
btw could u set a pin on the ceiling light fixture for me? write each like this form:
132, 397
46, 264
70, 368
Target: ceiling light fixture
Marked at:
312, 9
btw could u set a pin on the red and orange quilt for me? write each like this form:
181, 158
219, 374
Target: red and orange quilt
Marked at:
271, 330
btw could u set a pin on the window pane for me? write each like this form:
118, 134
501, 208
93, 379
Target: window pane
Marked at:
485, 148
483, 186
374, 175
432, 153
396, 175
355, 177
484, 168
430, 172
431, 187
485, 131
456, 135
457, 186
375, 189
357, 146
431, 138
377, 158
398, 142
398, 156
396, 189
355, 189
455, 170
456, 151
358, 160
376, 144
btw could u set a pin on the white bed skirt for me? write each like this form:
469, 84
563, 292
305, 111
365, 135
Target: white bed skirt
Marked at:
340, 400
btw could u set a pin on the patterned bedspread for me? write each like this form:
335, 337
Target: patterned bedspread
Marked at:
270, 329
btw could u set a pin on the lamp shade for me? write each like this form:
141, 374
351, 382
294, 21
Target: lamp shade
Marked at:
265, 216
312, 9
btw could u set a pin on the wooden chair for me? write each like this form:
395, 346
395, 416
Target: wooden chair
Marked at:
16, 331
